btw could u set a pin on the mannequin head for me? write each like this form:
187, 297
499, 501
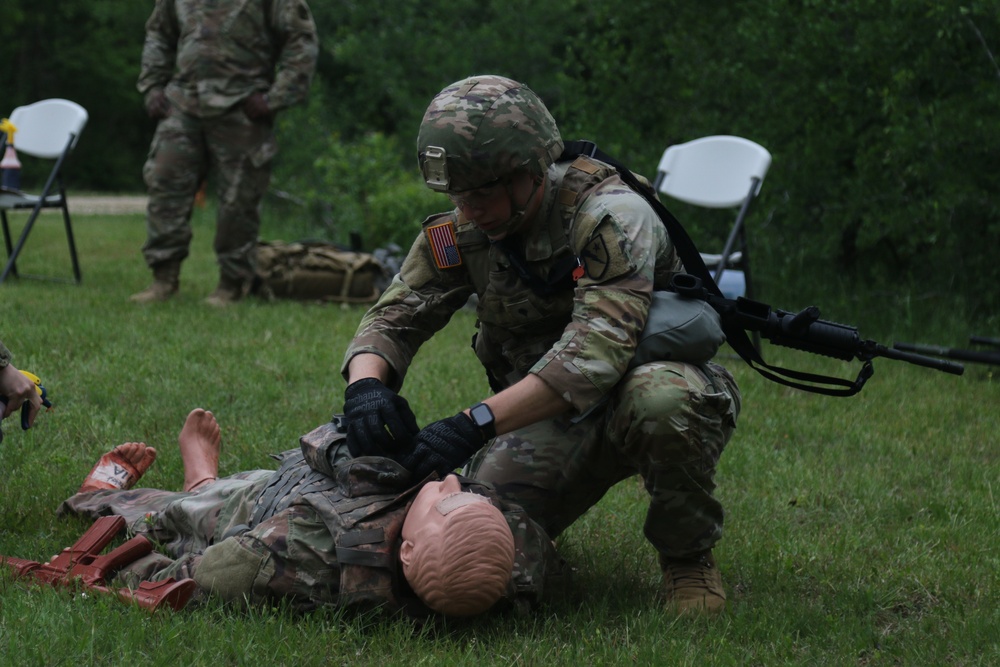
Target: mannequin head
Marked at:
457, 550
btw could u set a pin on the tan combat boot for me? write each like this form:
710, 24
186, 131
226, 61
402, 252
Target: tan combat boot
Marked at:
229, 290
692, 585
166, 282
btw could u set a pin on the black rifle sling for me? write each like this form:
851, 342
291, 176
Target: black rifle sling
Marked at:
736, 336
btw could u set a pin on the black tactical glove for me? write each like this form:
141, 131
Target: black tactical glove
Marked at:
379, 421
443, 446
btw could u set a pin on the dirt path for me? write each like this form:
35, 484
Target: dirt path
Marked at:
106, 204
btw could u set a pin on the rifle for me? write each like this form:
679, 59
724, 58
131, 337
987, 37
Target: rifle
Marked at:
81, 564
975, 356
803, 331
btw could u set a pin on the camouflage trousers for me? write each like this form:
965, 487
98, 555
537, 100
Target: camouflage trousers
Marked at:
182, 523
666, 421
184, 147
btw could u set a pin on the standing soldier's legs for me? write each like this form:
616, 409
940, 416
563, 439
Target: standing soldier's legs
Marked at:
242, 150
176, 164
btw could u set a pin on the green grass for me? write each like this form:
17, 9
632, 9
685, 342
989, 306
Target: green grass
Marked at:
859, 531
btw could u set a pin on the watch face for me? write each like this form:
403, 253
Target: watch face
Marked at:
482, 417
481, 414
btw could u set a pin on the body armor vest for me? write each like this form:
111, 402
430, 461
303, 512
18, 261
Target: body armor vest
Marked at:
363, 503
519, 321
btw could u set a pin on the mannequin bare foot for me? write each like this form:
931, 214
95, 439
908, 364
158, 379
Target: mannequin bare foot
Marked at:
120, 468
200, 441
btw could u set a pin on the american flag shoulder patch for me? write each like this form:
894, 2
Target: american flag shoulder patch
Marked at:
443, 245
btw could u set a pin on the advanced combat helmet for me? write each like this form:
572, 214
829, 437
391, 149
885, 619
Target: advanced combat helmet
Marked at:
480, 129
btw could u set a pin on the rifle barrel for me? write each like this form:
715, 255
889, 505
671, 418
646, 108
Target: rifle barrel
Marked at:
976, 356
920, 360
982, 340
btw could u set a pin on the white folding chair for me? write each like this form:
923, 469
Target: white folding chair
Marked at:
47, 130
718, 172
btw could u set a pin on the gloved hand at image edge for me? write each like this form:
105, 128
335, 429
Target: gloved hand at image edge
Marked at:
379, 421
443, 445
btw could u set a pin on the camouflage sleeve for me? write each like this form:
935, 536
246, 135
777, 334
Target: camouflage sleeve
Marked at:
5, 355
293, 23
619, 240
159, 51
157, 567
419, 302
291, 555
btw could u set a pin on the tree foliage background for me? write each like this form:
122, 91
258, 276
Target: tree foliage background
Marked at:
883, 116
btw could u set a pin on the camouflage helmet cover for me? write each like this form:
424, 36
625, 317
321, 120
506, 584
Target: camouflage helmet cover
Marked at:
481, 129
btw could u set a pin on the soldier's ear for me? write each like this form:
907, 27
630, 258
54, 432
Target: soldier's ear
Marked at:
406, 552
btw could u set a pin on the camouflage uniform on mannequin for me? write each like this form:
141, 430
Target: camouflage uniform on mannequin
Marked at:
563, 257
324, 529
214, 74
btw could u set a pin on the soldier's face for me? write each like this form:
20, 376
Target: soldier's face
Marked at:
498, 208
426, 517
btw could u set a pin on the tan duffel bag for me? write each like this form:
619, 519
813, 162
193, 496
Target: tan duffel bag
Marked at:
317, 271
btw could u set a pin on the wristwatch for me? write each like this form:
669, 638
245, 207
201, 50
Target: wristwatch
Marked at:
482, 417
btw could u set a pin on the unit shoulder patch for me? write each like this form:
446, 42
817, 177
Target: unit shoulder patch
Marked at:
605, 255
595, 258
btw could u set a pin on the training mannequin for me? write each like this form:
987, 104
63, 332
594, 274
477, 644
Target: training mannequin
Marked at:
448, 546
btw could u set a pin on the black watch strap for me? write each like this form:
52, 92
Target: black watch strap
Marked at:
482, 417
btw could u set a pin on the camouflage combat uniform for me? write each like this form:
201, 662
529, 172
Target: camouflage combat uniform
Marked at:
312, 532
595, 252
209, 57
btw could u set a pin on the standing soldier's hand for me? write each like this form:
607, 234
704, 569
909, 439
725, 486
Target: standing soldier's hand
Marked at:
256, 107
379, 421
157, 104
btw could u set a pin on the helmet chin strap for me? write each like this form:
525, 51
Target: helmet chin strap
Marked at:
516, 218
